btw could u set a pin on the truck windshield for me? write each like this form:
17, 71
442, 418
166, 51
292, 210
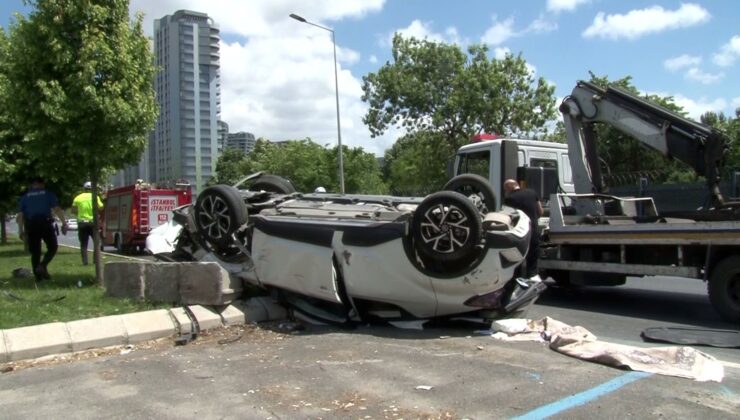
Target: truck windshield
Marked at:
475, 163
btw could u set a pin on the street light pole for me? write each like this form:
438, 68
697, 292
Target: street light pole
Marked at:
336, 93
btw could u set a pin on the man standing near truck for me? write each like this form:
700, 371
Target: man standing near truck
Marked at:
526, 200
82, 206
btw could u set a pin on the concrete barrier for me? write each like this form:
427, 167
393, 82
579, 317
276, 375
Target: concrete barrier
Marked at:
181, 283
37, 340
93, 333
207, 318
3, 348
149, 325
207, 284
124, 279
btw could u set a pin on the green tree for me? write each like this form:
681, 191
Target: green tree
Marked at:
361, 171
228, 167
302, 161
437, 87
309, 165
731, 127
416, 164
81, 80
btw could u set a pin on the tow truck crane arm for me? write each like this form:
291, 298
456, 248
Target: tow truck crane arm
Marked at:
701, 147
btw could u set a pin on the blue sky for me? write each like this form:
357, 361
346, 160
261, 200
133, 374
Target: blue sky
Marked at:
278, 80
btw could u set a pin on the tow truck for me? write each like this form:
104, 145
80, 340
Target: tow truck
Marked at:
593, 238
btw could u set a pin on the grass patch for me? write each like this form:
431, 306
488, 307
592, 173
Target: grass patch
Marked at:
71, 294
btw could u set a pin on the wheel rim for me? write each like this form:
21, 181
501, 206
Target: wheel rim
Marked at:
446, 228
475, 196
213, 217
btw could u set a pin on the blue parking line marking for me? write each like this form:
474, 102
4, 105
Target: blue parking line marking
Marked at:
582, 397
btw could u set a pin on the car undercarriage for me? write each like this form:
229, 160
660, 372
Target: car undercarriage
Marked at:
358, 258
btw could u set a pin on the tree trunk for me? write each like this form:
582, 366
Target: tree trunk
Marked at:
3, 231
97, 257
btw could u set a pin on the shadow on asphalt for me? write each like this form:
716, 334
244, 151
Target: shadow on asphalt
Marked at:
658, 305
433, 329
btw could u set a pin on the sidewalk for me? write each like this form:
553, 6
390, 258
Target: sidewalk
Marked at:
182, 323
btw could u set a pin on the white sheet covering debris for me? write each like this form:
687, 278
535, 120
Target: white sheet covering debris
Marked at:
681, 361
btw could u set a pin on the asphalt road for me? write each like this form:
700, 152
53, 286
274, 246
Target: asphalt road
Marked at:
368, 372
620, 314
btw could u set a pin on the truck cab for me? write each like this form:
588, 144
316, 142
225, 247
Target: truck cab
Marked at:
542, 166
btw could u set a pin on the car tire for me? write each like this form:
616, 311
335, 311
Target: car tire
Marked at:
118, 244
219, 212
724, 288
446, 227
272, 183
476, 188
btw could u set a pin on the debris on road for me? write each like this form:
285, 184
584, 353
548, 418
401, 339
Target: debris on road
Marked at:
693, 336
578, 342
424, 387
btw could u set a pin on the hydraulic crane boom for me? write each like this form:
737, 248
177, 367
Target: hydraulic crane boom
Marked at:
701, 147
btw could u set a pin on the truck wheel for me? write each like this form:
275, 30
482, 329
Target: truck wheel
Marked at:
724, 288
446, 227
272, 183
219, 212
118, 244
476, 188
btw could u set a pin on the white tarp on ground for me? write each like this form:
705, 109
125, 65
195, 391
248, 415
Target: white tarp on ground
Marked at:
681, 361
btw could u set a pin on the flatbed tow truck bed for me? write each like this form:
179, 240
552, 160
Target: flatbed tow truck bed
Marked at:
626, 236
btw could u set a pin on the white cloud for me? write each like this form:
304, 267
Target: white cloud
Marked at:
735, 103
564, 5
696, 107
728, 53
499, 32
681, 62
373, 59
499, 53
540, 25
423, 30
700, 76
277, 78
637, 23
249, 18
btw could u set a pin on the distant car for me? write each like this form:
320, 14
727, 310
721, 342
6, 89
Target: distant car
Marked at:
347, 258
71, 224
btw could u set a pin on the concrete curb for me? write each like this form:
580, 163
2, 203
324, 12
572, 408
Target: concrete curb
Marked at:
116, 330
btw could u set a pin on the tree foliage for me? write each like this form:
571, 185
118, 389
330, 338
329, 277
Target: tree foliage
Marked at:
437, 87
228, 169
82, 86
80, 77
731, 127
416, 164
307, 164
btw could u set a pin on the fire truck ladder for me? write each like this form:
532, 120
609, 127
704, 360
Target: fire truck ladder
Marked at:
144, 211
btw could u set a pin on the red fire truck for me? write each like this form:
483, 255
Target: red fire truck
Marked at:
130, 212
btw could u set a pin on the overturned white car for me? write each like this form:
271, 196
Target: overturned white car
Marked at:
346, 258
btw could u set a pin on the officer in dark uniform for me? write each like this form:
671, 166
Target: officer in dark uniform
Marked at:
36, 210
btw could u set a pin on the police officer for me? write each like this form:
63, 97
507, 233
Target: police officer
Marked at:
82, 206
36, 223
